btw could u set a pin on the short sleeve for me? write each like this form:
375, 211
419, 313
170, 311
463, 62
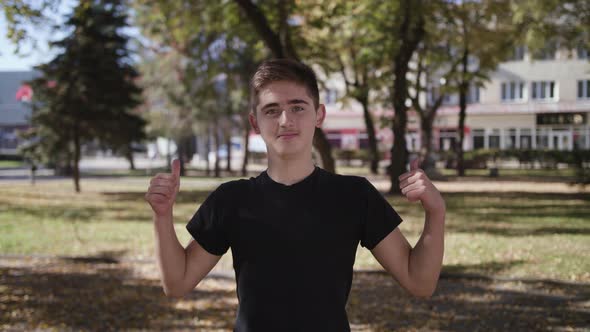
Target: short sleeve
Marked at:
380, 218
207, 226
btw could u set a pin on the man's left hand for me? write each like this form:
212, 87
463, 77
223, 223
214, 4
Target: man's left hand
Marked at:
416, 186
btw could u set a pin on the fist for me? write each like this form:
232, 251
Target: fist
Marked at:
163, 189
416, 186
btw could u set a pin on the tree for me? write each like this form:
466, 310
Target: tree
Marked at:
435, 63
215, 55
344, 38
565, 21
280, 43
408, 27
87, 92
485, 36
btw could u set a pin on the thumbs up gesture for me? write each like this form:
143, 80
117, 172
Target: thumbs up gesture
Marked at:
416, 186
163, 189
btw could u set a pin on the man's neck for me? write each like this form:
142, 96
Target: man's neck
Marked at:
289, 171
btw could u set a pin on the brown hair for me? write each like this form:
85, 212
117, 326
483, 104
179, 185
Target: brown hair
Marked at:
289, 70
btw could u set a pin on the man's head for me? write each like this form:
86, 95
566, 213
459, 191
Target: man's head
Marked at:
285, 108
283, 70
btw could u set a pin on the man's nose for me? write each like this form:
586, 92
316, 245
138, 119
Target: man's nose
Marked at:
285, 118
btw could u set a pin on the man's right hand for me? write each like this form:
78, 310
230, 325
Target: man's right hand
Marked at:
163, 189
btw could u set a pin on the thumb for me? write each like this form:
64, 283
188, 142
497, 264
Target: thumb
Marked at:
415, 164
176, 168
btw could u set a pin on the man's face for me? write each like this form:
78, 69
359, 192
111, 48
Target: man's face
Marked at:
286, 119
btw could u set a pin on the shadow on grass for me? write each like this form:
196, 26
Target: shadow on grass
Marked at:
65, 294
79, 214
513, 214
101, 297
104, 257
118, 212
483, 196
467, 304
184, 196
82, 213
488, 267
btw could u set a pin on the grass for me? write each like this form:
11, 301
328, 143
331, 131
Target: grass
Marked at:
565, 173
500, 234
10, 163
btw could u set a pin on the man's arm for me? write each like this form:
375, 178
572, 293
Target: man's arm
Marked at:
181, 268
416, 269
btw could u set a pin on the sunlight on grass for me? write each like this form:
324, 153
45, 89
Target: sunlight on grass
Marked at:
505, 234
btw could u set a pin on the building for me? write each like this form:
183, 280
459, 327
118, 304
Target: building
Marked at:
539, 101
14, 110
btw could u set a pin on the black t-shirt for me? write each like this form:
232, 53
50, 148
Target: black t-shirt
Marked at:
293, 246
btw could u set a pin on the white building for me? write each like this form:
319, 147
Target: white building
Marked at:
541, 103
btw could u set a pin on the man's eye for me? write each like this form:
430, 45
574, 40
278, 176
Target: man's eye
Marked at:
271, 112
297, 109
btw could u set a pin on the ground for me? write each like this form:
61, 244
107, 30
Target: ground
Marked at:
516, 259
98, 295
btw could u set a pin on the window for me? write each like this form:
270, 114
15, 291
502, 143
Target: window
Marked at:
580, 139
510, 139
513, 91
448, 99
584, 89
546, 53
518, 53
331, 96
478, 139
542, 139
582, 53
473, 94
543, 90
494, 139
447, 139
525, 138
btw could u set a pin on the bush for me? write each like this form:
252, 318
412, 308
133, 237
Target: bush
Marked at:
546, 158
11, 157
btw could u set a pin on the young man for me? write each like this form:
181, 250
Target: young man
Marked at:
294, 229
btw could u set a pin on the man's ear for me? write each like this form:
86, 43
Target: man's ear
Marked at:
320, 115
253, 122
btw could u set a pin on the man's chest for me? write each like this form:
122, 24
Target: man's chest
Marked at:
294, 227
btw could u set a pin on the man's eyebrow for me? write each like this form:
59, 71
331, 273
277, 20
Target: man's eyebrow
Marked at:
289, 102
297, 101
269, 106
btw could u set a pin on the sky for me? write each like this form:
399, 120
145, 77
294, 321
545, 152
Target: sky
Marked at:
31, 57
9, 61
13, 62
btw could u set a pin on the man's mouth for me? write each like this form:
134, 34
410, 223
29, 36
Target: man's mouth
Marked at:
287, 135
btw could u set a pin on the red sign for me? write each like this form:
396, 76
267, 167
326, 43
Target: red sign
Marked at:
24, 93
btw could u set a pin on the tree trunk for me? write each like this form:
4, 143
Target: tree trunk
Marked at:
369, 124
180, 146
410, 34
76, 161
283, 49
129, 157
324, 149
246, 145
208, 151
399, 151
463, 88
426, 124
168, 158
227, 134
216, 140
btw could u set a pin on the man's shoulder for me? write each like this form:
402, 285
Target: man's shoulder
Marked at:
233, 188
343, 180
